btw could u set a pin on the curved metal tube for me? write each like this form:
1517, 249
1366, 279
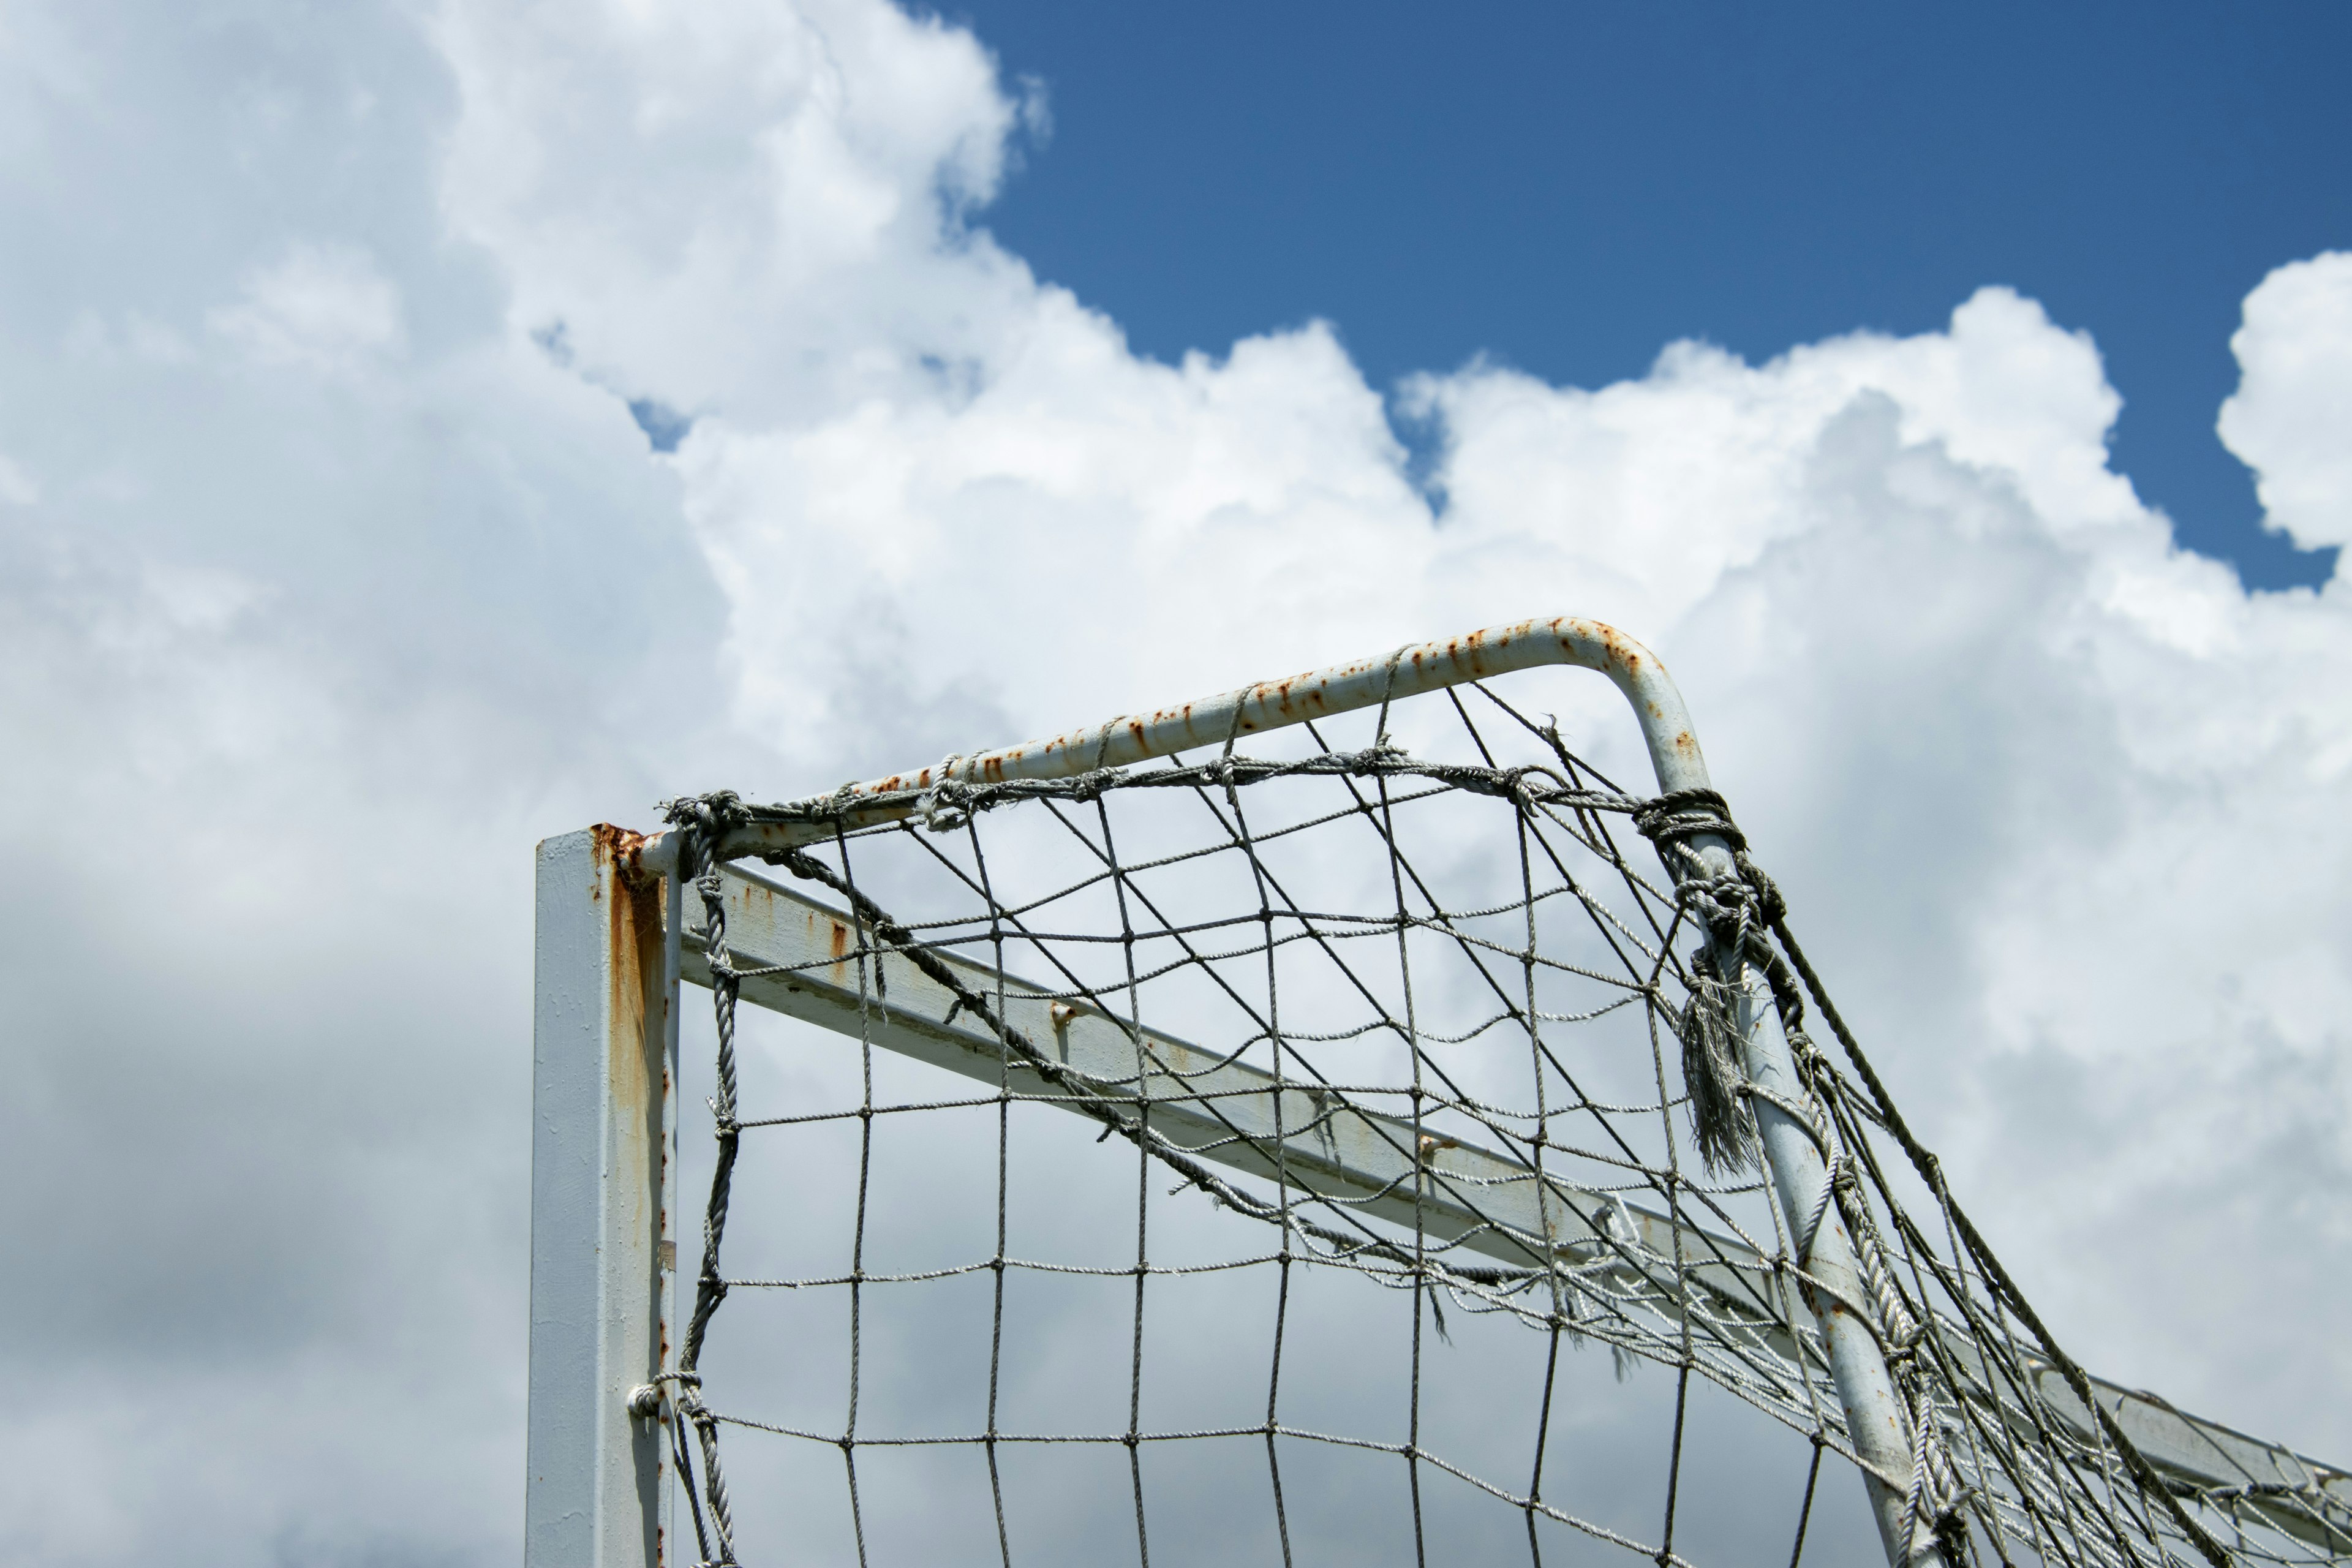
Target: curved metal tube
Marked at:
1365, 683
1277, 704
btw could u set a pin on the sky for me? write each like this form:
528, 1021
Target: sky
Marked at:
1002, 372
1566, 189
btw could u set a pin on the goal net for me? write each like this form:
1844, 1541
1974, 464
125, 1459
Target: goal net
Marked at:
1383, 1137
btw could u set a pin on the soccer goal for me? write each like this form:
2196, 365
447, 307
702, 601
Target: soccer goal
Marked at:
1332, 1121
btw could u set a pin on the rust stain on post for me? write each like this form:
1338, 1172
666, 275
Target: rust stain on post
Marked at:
623, 850
633, 942
1478, 655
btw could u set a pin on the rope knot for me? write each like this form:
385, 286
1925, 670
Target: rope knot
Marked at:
1769, 901
703, 820
645, 1400
1722, 900
714, 813
1089, 785
1730, 902
948, 804
1807, 1055
1681, 815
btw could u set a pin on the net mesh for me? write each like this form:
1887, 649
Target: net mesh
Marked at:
1345, 1148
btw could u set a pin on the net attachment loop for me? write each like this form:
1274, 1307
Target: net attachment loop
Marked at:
645, 1399
1737, 909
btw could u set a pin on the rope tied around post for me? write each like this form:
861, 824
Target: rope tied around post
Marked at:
1730, 908
704, 822
1739, 910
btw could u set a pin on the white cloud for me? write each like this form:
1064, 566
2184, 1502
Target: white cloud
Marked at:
17, 487
792, 177
320, 307
2287, 419
308, 660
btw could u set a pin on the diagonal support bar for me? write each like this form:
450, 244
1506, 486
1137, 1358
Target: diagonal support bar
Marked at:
799, 957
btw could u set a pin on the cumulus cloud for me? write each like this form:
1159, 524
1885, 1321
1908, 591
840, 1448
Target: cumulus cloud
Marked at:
798, 173
2287, 421
349, 573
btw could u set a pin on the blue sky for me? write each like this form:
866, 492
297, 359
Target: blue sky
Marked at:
1566, 188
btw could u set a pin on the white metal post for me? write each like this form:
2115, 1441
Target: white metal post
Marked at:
1876, 1419
603, 1189
1875, 1416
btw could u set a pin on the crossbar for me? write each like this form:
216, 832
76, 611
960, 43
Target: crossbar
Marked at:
1411, 670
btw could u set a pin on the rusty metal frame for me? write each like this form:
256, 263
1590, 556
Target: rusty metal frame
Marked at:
603, 1178
1880, 1428
1272, 705
604, 1153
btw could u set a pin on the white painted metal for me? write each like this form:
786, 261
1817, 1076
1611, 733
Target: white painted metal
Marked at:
1275, 704
1876, 1419
604, 1043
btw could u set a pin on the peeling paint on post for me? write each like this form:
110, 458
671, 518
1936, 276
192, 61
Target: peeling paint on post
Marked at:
603, 1175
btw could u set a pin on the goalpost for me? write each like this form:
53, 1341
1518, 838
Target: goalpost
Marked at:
1349, 982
